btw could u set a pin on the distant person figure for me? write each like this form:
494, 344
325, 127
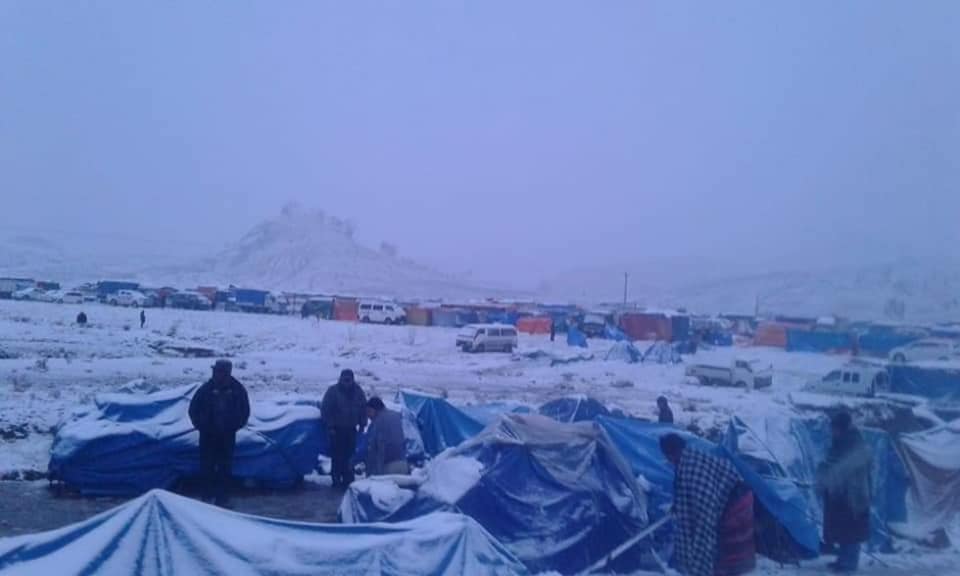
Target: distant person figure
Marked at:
553, 331
82, 318
845, 482
665, 414
344, 413
143, 318
386, 447
219, 408
713, 512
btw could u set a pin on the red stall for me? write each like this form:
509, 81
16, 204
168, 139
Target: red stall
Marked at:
346, 309
534, 324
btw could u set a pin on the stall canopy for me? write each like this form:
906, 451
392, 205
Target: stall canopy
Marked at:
933, 460
793, 448
130, 443
518, 479
161, 533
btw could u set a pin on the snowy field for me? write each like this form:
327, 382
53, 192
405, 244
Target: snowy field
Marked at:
49, 366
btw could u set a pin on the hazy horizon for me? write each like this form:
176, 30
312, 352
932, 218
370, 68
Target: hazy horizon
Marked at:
495, 140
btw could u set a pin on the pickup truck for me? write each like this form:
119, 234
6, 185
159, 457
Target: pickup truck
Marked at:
741, 374
854, 380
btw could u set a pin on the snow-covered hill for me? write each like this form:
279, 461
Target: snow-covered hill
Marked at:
924, 292
309, 251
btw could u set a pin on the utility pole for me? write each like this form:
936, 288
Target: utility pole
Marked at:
626, 278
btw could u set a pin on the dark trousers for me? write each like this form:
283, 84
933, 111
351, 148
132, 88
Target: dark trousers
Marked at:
342, 446
216, 465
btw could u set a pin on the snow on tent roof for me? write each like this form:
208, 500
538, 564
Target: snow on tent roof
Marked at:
558, 496
161, 533
792, 449
131, 443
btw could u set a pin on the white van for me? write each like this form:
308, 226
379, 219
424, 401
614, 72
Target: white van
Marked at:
854, 380
487, 338
128, 298
382, 313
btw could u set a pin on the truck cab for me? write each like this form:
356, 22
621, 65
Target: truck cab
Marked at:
854, 380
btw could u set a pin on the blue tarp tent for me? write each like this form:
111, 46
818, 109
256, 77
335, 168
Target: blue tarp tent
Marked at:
559, 496
789, 530
441, 424
576, 338
160, 534
624, 352
573, 409
611, 332
819, 341
802, 444
938, 383
131, 443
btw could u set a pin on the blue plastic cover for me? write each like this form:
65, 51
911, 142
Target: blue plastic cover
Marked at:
161, 533
818, 341
941, 384
802, 444
131, 443
441, 424
573, 409
576, 338
611, 332
558, 496
624, 352
639, 442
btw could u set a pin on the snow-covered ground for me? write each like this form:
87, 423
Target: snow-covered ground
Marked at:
50, 366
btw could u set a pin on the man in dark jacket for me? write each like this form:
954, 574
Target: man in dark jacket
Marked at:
844, 480
664, 413
344, 413
219, 408
386, 446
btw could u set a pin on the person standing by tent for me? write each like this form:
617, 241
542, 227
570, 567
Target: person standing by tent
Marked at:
219, 408
344, 413
845, 483
143, 318
713, 511
386, 446
664, 413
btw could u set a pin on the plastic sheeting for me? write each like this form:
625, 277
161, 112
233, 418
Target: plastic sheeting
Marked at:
793, 449
131, 443
791, 533
160, 534
933, 459
937, 383
624, 352
558, 496
819, 341
573, 409
576, 338
441, 425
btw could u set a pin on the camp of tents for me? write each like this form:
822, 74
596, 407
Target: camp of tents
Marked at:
498, 475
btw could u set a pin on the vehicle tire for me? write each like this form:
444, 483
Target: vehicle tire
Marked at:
704, 381
114, 303
741, 384
899, 358
509, 349
365, 320
481, 348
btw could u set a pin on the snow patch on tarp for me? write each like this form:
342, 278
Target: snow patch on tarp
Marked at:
559, 496
161, 533
131, 443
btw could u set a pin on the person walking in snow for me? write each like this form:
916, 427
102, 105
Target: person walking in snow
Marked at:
344, 413
143, 318
664, 413
845, 482
219, 408
386, 446
713, 511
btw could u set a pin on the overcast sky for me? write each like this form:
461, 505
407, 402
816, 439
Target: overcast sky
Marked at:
506, 138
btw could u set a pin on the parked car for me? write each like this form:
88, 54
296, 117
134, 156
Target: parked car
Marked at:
487, 338
382, 313
71, 297
188, 301
854, 380
741, 374
926, 349
128, 298
594, 325
27, 294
